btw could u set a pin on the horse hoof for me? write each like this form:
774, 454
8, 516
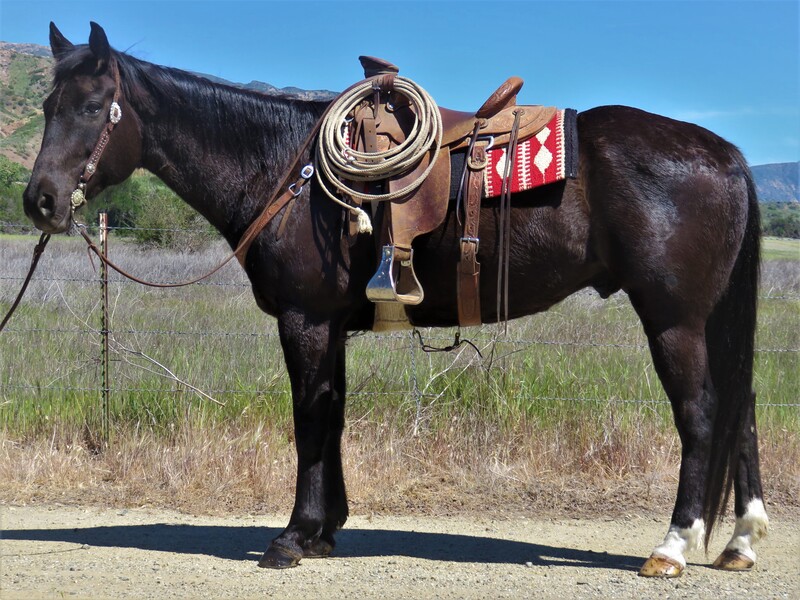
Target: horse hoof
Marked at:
730, 560
319, 549
661, 566
279, 558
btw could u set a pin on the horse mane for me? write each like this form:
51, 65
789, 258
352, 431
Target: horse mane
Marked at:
258, 129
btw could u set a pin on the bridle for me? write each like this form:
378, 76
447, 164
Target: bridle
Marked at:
278, 200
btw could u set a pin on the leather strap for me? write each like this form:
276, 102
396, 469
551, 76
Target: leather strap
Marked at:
257, 226
504, 254
266, 216
91, 165
469, 270
37, 254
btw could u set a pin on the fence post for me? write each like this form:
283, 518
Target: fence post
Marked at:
416, 391
105, 326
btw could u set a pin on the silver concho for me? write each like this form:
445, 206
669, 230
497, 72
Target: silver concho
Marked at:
78, 198
115, 114
91, 168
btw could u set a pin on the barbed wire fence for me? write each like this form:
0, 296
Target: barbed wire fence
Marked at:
106, 342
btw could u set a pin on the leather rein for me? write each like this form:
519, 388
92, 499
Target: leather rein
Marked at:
278, 199
78, 199
289, 188
37, 254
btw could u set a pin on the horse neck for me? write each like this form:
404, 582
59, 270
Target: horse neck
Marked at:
221, 149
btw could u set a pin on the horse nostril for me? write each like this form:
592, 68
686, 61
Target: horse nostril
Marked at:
46, 204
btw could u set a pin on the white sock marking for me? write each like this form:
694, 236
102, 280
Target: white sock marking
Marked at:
750, 528
678, 540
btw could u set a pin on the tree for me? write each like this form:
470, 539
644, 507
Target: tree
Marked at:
13, 179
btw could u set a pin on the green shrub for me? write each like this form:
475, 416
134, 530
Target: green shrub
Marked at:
13, 179
781, 219
152, 214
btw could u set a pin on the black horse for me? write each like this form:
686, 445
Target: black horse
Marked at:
664, 210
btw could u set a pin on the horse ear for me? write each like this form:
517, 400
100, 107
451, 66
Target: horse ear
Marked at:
98, 44
58, 43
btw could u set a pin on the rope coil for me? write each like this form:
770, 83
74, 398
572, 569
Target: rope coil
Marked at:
337, 162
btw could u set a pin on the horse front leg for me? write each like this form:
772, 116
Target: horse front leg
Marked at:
311, 352
336, 510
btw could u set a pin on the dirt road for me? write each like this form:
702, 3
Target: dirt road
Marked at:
74, 552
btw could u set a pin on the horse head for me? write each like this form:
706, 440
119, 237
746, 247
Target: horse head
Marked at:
92, 137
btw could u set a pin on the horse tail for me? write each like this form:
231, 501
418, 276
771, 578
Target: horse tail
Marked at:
730, 342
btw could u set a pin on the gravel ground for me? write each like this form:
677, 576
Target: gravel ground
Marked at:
77, 552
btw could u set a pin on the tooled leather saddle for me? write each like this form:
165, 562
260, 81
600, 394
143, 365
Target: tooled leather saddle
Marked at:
384, 122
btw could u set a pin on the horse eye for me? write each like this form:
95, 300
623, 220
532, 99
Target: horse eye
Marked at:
93, 108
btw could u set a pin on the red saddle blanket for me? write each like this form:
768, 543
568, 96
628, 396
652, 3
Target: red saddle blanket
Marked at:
549, 156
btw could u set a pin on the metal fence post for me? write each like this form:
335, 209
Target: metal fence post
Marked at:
105, 326
416, 391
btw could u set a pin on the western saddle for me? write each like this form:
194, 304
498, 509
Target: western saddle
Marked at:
384, 121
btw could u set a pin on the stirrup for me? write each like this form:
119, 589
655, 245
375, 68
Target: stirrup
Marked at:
386, 287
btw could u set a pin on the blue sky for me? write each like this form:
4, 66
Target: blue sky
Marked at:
732, 67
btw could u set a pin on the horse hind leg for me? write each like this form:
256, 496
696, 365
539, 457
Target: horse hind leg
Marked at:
751, 517
678, 349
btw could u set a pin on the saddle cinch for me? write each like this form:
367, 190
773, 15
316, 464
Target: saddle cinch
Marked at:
385, 121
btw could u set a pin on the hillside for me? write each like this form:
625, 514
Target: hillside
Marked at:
25, 71
25, 77
778, 182
24, 82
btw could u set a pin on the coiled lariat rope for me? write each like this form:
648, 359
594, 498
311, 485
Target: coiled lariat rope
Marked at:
337, 162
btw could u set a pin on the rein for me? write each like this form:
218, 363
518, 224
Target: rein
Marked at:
272, 208
279, 200
240, 252
38, 250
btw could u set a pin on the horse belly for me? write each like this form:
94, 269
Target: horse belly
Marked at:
549, 257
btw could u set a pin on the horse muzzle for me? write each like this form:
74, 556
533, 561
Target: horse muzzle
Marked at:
50, 211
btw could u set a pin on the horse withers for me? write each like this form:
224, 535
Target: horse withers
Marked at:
664, 210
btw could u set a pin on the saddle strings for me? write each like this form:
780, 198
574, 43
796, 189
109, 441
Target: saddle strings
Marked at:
337, 162
504, 251
460, 194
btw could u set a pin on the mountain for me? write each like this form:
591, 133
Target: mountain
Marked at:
25, 75
25, 71
779, 182
24, 83
266, 88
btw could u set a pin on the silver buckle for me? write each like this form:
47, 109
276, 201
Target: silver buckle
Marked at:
473, 240
483, 138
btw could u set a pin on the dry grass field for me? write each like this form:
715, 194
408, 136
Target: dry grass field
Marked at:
564, 414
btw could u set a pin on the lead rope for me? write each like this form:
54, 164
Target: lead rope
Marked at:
337, 162
38, 250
